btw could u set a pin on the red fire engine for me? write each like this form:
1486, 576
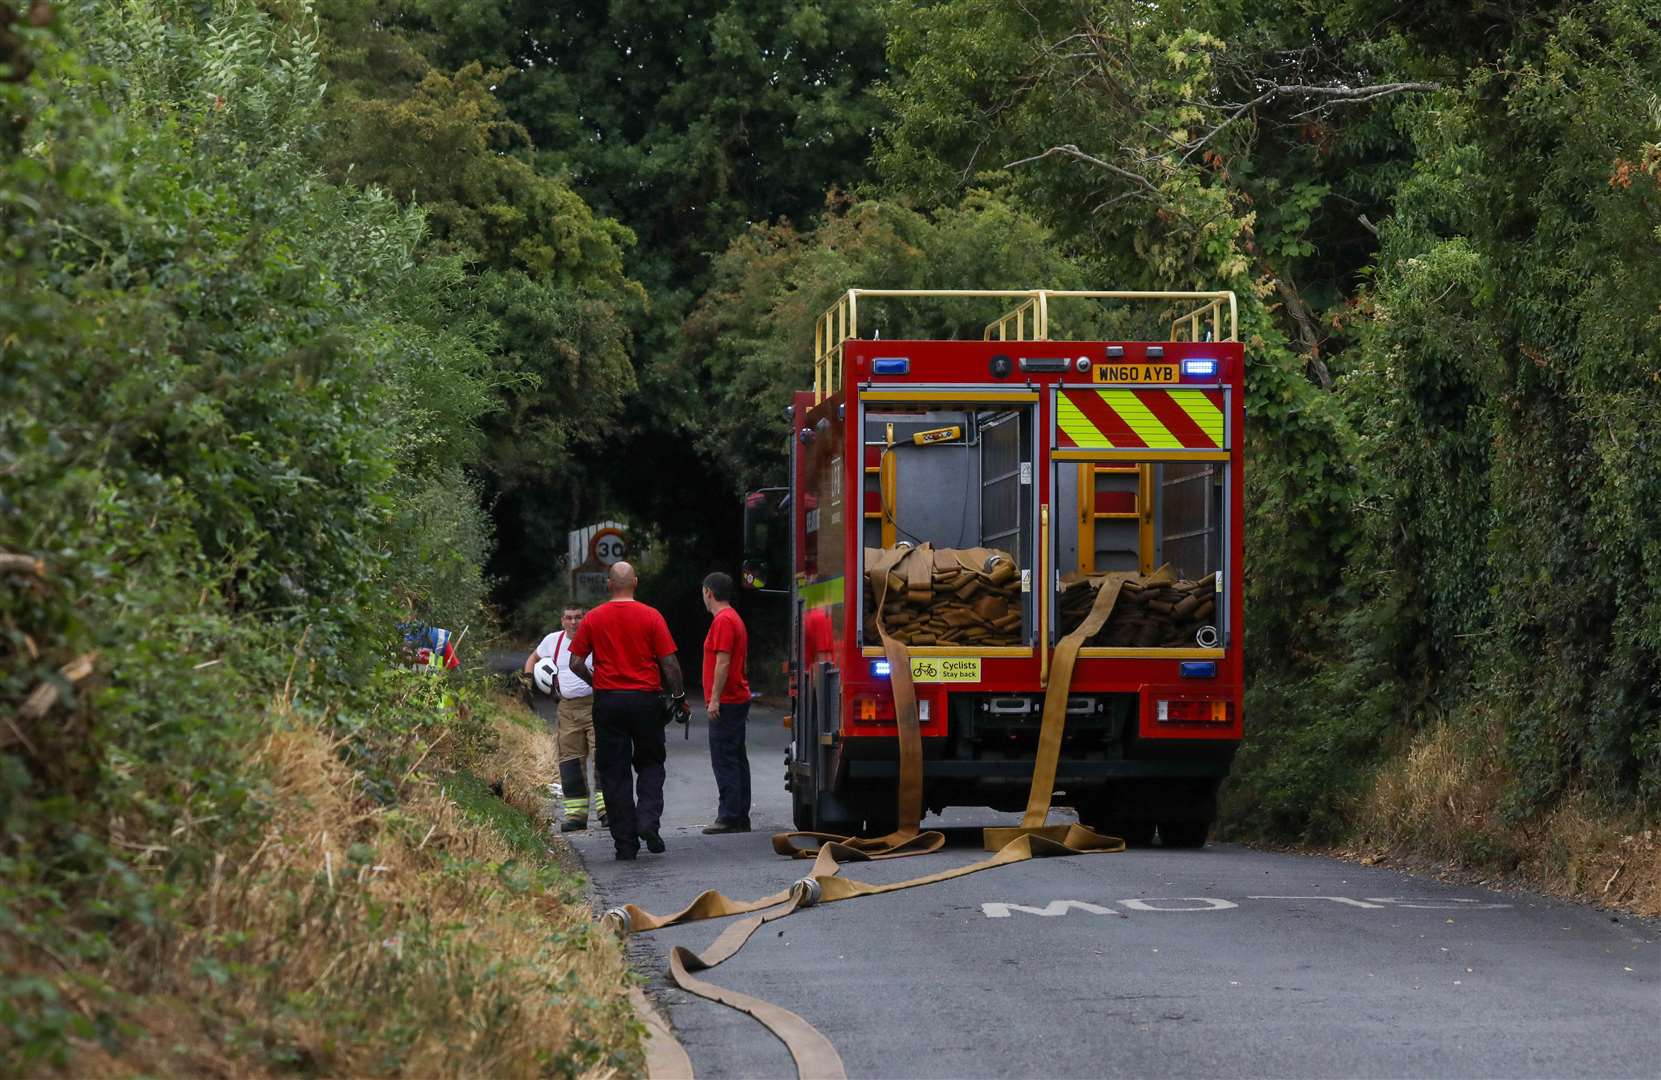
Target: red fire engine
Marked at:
1076, 458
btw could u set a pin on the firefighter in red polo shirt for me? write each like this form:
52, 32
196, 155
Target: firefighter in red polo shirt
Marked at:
727, 699
633, 664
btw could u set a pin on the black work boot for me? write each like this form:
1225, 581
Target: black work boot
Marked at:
654, 842
573, 825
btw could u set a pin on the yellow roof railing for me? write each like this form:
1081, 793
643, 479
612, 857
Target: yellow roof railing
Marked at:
1028, 320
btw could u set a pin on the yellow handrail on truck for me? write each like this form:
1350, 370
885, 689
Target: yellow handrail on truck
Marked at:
839, 323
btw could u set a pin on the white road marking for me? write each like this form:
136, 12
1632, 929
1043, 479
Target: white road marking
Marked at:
1003, 910
1208, 903
1334, 899
1053, 908
1451, 903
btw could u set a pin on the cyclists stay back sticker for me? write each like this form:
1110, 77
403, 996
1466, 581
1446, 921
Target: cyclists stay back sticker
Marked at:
943, 669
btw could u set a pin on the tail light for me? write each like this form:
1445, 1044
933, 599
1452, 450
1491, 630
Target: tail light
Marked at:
869, 709
1191, 712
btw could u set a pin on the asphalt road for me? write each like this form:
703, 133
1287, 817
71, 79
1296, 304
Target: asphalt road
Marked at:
1220, 962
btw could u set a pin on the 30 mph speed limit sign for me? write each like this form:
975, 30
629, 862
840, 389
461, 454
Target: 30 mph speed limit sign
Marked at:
608, 546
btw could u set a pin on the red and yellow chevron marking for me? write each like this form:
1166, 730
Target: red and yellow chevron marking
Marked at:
1138, 419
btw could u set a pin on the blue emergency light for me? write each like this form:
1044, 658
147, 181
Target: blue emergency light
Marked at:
890, 365
880, 669
1200, 368
1199, 669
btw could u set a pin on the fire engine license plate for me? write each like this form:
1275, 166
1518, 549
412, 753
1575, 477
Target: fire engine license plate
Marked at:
1134, 373
945, 669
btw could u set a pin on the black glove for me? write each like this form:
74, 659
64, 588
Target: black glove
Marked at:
676, 709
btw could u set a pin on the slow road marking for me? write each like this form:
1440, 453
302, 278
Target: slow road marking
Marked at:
1171, 904
1206, 903
1051, 909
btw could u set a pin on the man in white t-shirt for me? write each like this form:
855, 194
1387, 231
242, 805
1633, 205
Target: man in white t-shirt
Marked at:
574, 735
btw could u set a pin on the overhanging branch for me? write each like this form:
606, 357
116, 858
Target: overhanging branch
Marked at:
1325, 95
1354, 93
1072, 151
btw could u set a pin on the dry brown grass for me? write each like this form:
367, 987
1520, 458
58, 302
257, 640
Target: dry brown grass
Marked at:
524, 761
1442, 800
357, 939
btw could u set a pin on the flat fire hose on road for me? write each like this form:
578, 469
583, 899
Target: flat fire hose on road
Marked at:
812, 1052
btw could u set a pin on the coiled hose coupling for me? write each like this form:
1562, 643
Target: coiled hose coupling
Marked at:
806, 891
617, 921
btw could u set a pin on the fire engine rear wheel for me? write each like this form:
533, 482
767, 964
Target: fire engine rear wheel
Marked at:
1184, 834
804, 811
801, 809
838, 827
1136, 834
881, 824
1099, 814
1133, 833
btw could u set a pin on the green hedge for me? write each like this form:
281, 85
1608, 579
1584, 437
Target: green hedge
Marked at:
234, 434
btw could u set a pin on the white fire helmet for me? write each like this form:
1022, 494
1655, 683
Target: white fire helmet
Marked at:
545, 673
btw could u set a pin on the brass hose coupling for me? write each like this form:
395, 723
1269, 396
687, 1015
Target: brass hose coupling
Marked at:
807, 892
617, 921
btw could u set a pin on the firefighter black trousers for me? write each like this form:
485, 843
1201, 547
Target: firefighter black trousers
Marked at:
629, 752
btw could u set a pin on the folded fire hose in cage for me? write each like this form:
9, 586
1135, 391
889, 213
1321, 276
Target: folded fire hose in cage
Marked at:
917, 571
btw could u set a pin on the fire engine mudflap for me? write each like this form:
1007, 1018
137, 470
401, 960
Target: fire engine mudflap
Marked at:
924, 674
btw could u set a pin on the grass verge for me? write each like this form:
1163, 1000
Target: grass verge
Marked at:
1443, 801
421, 931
